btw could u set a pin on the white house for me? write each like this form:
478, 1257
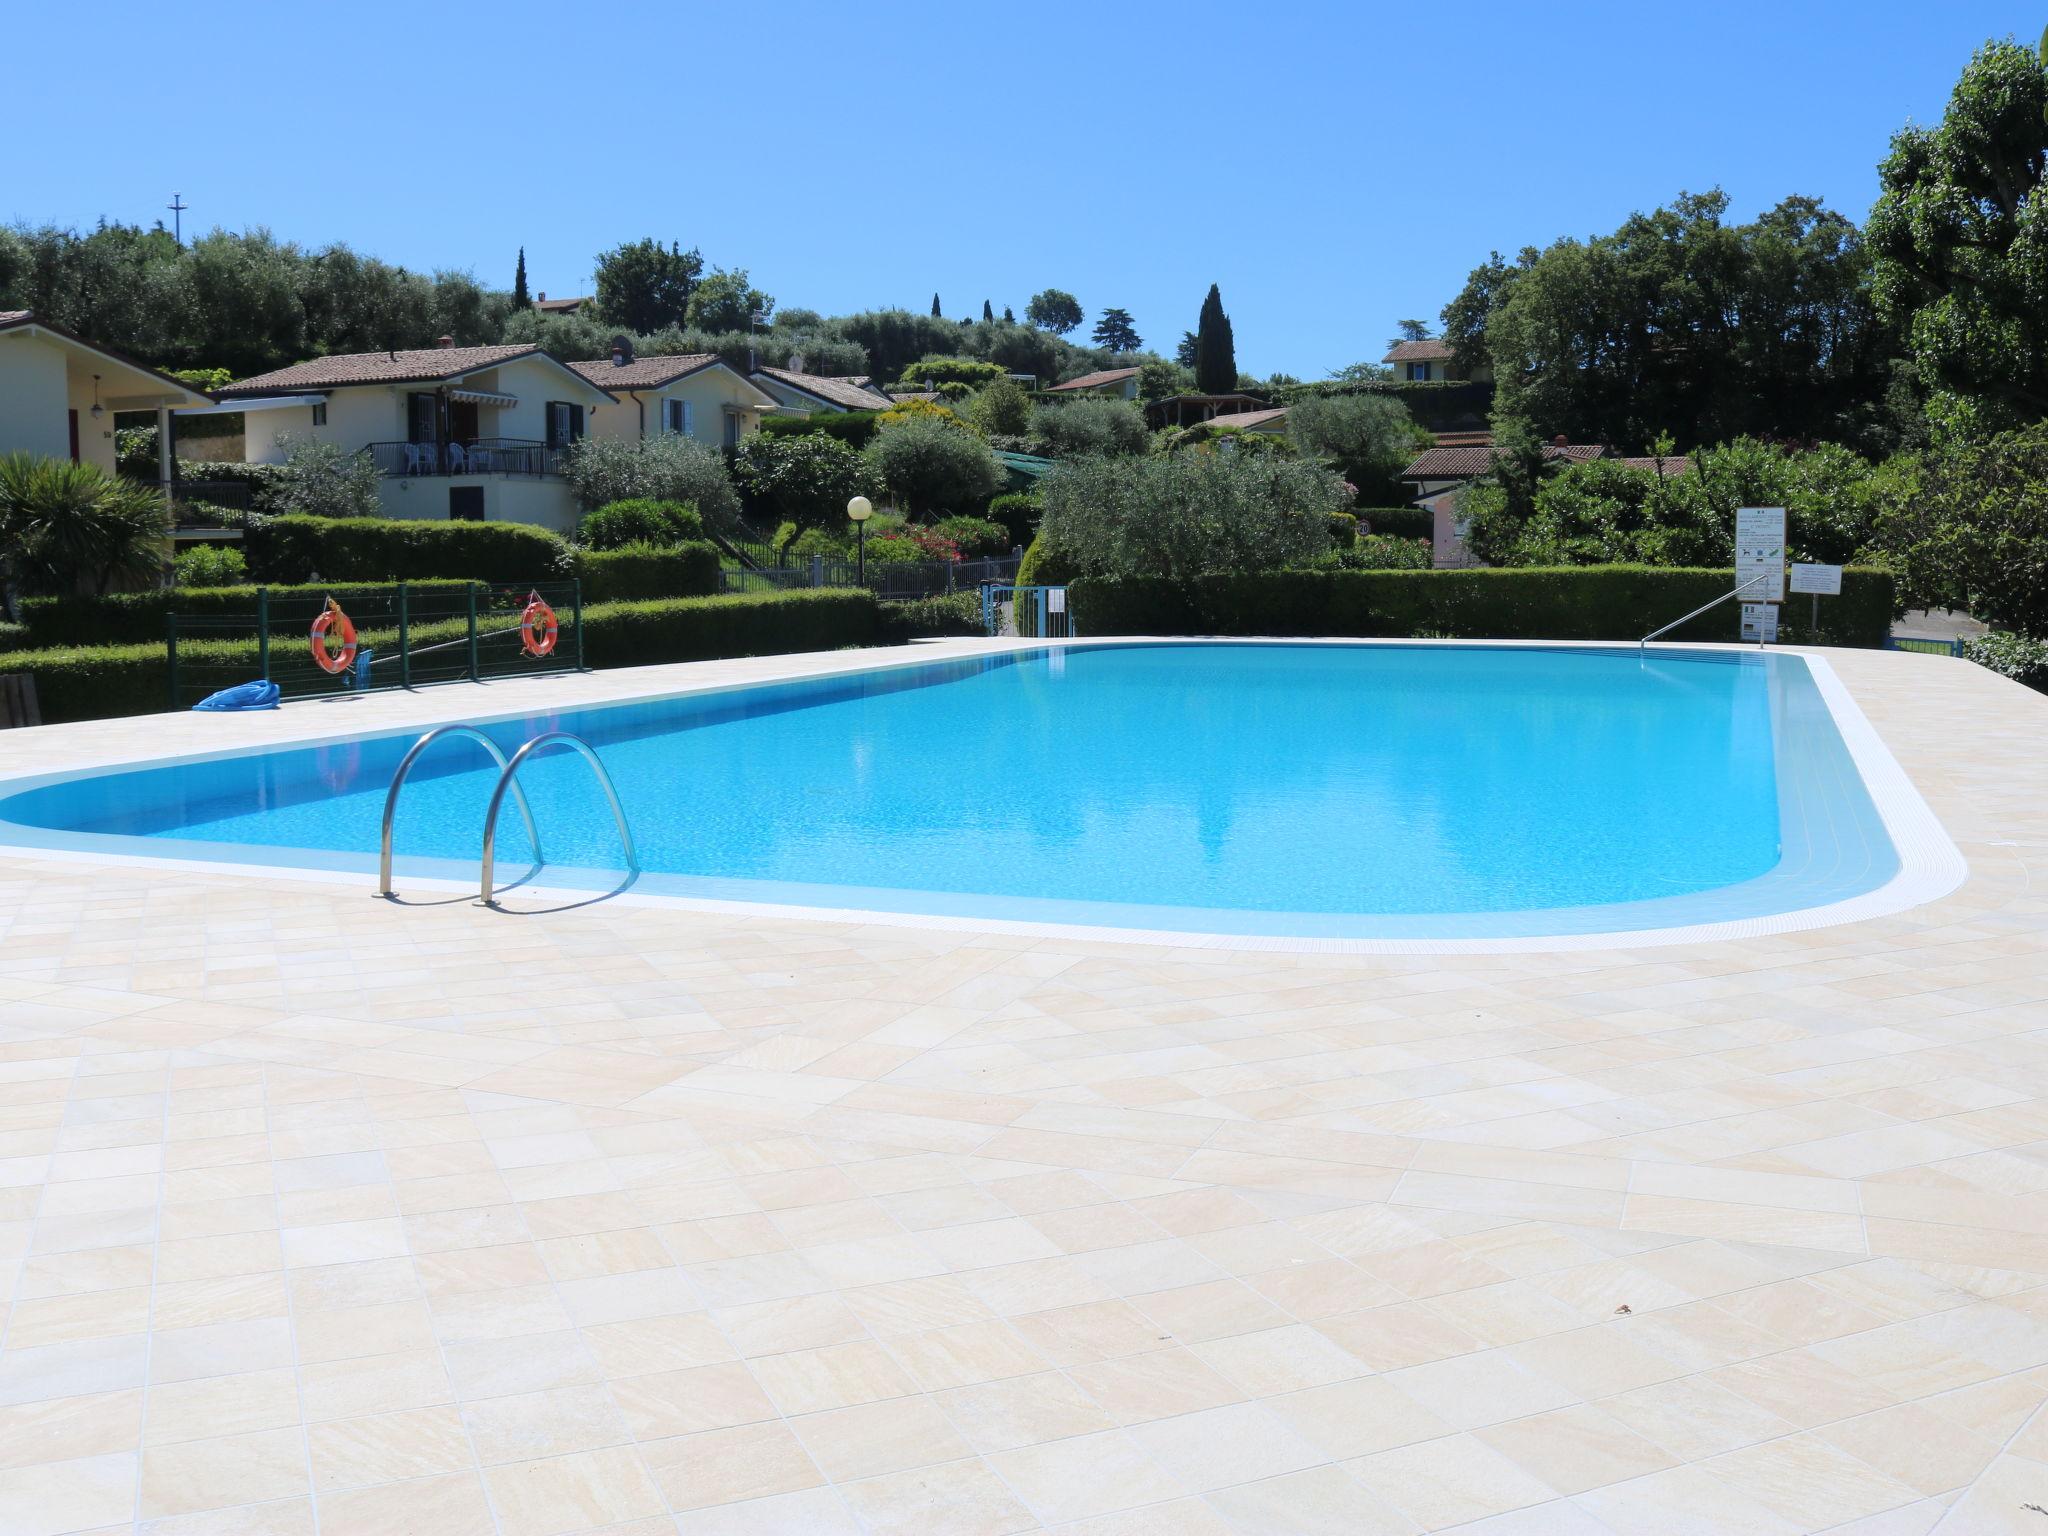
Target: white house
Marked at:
694, 394
59, 392
457, 432
799, 391
1429, 362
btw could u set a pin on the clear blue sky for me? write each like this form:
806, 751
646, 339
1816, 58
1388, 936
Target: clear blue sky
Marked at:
1333, 166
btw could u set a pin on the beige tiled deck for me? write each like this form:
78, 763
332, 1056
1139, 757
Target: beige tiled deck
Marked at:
321, 1214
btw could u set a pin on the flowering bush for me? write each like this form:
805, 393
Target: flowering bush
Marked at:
911, 543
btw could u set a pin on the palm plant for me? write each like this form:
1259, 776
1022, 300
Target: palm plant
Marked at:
66, 527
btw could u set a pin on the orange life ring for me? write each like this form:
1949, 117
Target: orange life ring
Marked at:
333, 621
537, 627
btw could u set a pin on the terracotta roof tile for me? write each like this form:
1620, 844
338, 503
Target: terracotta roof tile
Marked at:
644, 372
1091, 380
1419, 352
1248, 418
559, 306
422, 366
1467, 462
844, 392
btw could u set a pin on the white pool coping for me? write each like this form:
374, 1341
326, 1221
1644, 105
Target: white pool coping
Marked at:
1930, 864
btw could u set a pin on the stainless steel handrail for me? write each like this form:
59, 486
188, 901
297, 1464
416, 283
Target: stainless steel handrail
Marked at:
398, 783
1643, 644
508, 780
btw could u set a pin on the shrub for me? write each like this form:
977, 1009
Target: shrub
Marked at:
1343, 530
1001, 409
292, 549
909, 545
639, 571
1077, 428
1381, 552
931, 371
804, 481
68, 527
853, 428
977, 538
955, 615
934, 466
2019, 657
261, 479
1402, 522
1620, 603
916, 410
1043, 566
639, 521
322, 479
1018, 512
13, 637
90, 683
1187, 514
669, 467
210, 565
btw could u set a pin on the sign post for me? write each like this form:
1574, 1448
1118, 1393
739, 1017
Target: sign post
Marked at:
1819, 581
1760, 569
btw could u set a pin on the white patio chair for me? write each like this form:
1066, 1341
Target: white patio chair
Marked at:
457, 462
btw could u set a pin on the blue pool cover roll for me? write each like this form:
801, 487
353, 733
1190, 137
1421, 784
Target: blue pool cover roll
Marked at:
260, 694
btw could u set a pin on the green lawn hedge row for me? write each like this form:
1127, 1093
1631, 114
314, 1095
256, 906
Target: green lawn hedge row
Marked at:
94, 682
1401, 522
283, 550
1609, 602
639, 572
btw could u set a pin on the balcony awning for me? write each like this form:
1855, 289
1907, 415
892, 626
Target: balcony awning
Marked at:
482, 397
266, 403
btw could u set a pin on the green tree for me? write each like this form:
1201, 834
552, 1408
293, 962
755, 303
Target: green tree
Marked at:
1967, 527
1410, 330
1000, 409
800, 481
521, 299
1186, 514
726, 301
934, 465
1116, 332
1215, 348
1961, 244
1184, 354
1009, 317
1054, 310
68, 527
667, 467
1368, 439
1073, 429
935, 306
988, 313
641, 287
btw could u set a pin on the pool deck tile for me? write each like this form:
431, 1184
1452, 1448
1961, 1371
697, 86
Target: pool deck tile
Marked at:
634, 1218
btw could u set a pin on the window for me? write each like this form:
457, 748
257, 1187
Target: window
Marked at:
1418, 373
422, 419
320, 413
465, 503
678, 412
565, 424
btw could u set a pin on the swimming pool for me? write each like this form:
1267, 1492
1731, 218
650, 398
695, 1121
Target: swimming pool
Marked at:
1302, 790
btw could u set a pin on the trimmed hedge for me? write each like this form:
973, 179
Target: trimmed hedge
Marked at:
1600, 602
640, 571
95, 682
131, 618
853, 428
291, 549
1401, 522
931, 618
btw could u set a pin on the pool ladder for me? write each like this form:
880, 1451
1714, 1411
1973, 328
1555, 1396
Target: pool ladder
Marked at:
508, 780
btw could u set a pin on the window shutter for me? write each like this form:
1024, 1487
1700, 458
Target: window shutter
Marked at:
688, 425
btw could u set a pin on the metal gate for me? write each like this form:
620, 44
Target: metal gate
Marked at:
1027, 613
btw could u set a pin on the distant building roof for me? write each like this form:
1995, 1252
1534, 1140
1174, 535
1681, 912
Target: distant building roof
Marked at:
849, 393
548, 306
1419, 352
424, 365
1469, 461
1248, 420
1096, 380
1671, 467
644, 372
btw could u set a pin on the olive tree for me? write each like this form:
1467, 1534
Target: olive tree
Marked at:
1076, 428
320, 479
1187, 514
933, 464
670, 467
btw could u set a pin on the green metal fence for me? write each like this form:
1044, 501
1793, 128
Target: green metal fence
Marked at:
406, 637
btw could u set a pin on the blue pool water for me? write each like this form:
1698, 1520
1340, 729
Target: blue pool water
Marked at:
1342, 791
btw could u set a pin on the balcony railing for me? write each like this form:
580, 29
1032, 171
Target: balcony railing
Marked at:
485, 456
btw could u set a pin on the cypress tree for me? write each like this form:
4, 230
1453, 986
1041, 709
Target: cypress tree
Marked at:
1215, 348
521, 299
935, 306
988, 311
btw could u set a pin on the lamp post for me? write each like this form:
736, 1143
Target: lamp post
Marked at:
860, 509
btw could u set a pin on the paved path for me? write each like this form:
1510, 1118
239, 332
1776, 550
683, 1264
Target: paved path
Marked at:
441, 1220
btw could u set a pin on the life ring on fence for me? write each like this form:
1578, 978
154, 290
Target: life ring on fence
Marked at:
537, 627
333, 621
